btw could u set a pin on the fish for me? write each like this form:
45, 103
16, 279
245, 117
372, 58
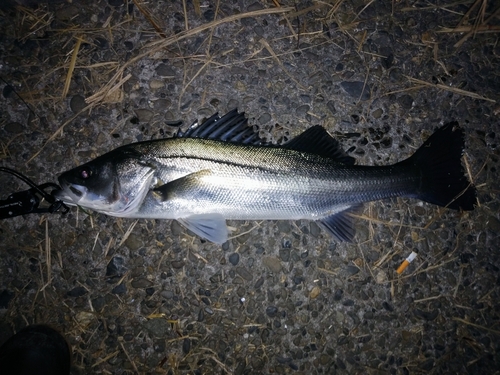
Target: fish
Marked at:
223, 170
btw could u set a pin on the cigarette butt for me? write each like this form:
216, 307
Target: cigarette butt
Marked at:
406, 262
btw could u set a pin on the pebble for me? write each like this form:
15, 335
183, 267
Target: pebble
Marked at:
144, 115
141, 283
426, 315
129, 46
234, 259
168, 294
177, 264
243, 272
77, 292
255, 6
338, 294
134, 242
493, 224
272, 311
406, 101
120, 289
158, 327
14, 128
77, 103
164, 70
116, 267
238, 70
285, 255
314, 293
101, 43
97, 303
302, 110
156, 84
352, 270
264, 118
272, 263
67, 13
355, 89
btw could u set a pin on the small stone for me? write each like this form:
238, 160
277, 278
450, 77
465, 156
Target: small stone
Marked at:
157, 327
302, 110
272, 263
493, 224
255, 6
264, 118
144, 115
101, 43
98, 303
116, 267
133, 242
177, 264
5, 298
156, 84
357, 89
14, 128
426, 315
407, 336
377, 113
186, 345
285, 255
67, 13
427, 365
331, 107
77, 103
381, 277
243, 272
77, 292
234, 259
119, 289
314, 293
352, 270
373, 255
84, 318
387, 306
129, 46
141, 283
164, 70
338, 294
272, 311
406, 101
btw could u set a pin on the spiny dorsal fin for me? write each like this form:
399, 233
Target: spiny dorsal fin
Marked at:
232, 127
316, 140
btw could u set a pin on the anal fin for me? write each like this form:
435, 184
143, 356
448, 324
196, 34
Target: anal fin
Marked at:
341, 225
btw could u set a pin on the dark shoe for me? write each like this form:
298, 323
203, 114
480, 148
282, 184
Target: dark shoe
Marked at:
35, 350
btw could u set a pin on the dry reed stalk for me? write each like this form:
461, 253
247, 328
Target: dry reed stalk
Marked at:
450, 89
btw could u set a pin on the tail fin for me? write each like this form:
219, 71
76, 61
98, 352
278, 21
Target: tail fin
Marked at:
443, 181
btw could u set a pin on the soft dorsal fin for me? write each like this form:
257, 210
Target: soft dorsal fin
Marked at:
316, 140
232, 127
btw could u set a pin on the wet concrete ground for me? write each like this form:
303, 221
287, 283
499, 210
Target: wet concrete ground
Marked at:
149, 297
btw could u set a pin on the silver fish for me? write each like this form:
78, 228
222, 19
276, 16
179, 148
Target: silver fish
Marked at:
222, 170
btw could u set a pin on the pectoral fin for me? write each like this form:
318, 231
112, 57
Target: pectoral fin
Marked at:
210, 226
186, 187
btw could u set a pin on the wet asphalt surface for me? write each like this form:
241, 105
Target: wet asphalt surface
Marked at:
149, 297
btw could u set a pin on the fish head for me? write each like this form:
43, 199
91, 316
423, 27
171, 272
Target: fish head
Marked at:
114, 183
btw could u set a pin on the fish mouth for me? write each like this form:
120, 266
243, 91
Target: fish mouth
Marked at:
70, 193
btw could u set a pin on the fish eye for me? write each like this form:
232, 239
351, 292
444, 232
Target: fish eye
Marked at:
85, 173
